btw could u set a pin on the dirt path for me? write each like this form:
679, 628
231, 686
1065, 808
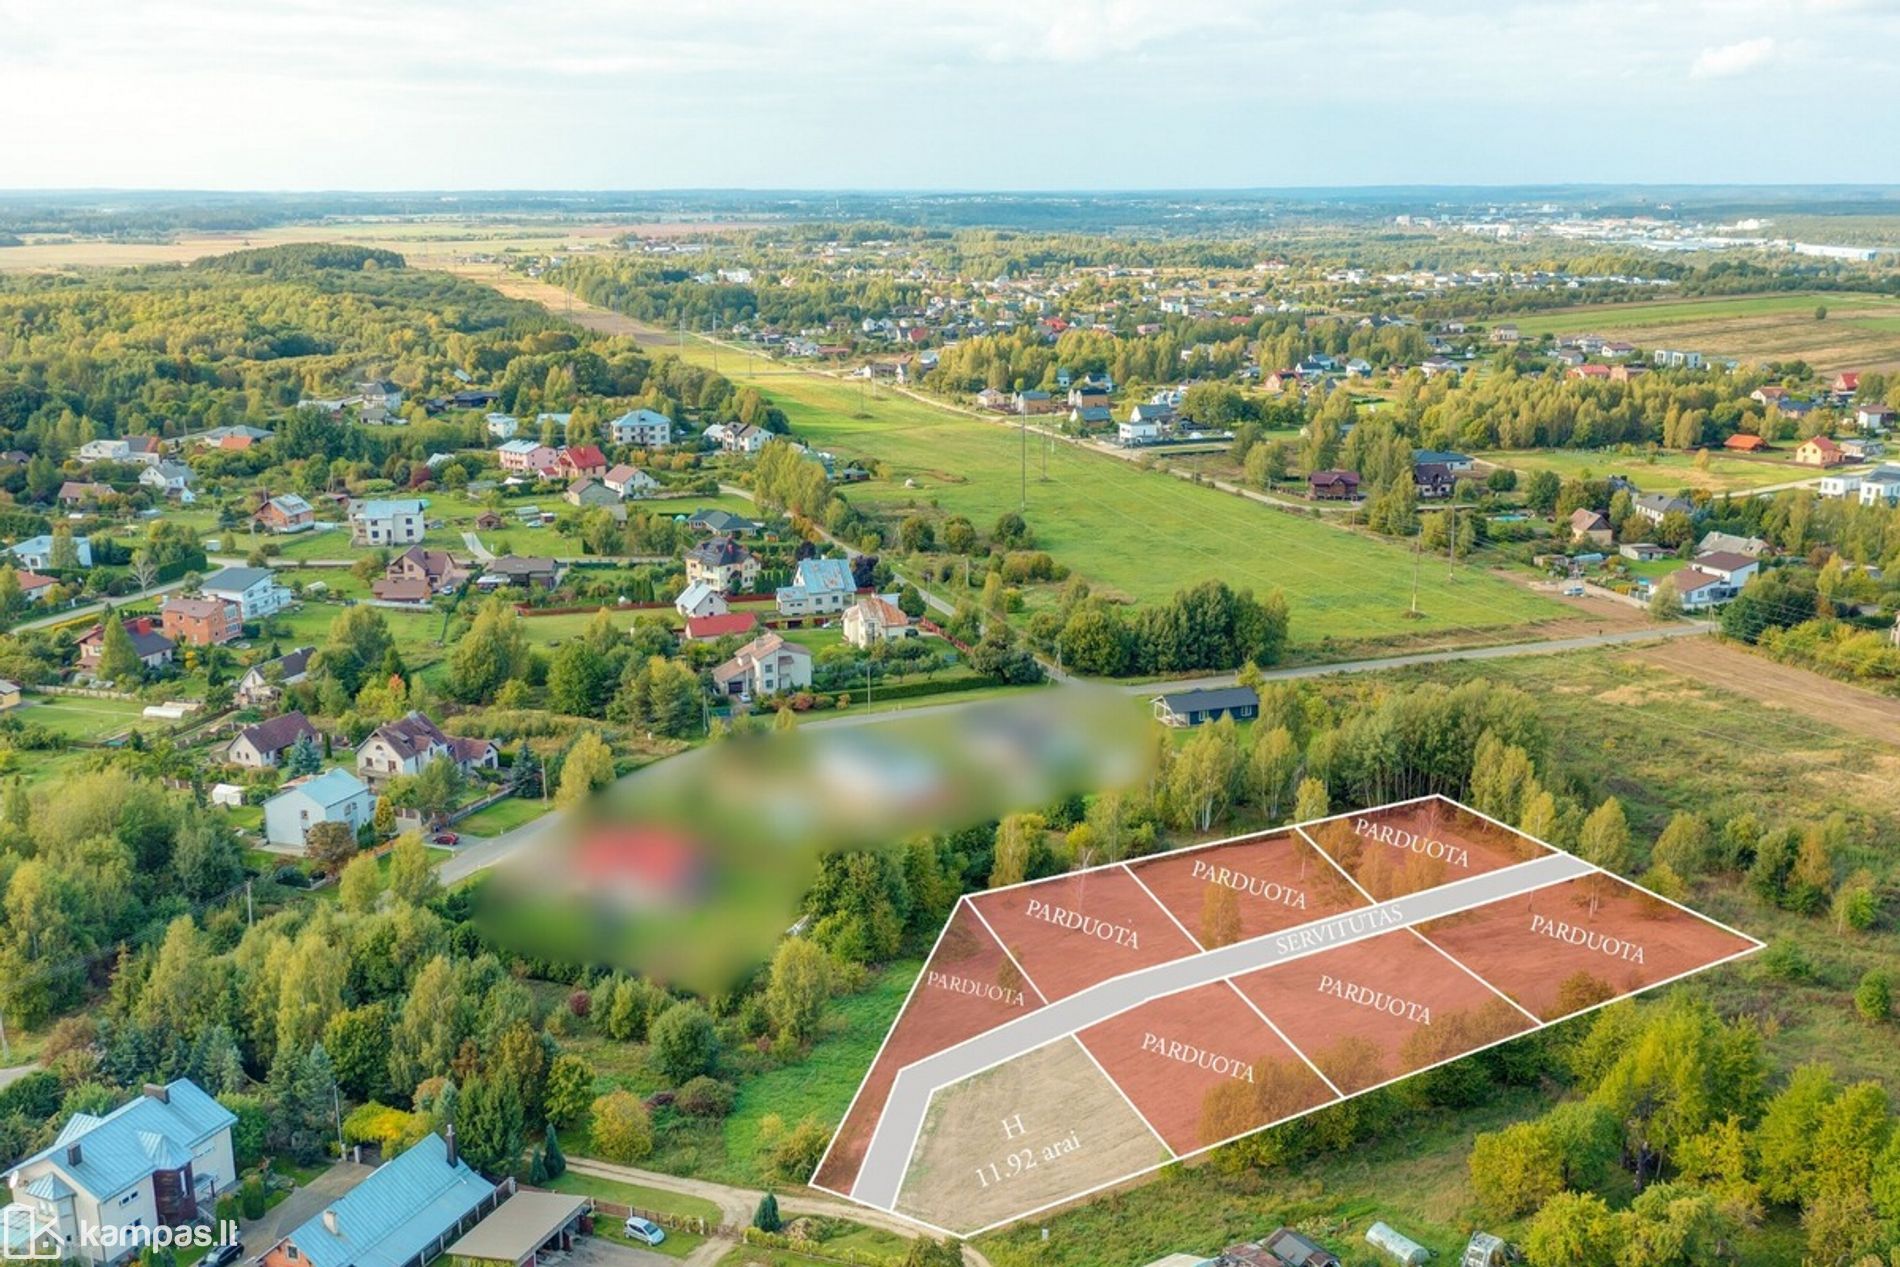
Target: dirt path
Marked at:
1782, 686
737, 1204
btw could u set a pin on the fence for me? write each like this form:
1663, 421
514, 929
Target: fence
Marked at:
89, 692
678, 1222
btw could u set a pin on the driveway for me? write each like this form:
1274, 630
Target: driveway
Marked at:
476, 548
598, 1251
10, 1076
301, 1206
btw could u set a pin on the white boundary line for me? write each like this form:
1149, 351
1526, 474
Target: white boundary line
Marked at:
1293, 1047
1106, 1077
1299, 830
1192, 939
1011, 955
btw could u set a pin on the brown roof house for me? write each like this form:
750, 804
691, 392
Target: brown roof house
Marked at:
1333, 486
768, 665
1589, 525
153, 647
408, 744
723, 564
871, 620
200, 622
262, 746
416, 575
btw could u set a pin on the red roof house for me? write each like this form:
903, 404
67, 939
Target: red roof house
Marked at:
706, 628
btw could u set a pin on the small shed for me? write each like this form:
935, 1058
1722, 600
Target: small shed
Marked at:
229, 795
1485, 1250
1406, 1250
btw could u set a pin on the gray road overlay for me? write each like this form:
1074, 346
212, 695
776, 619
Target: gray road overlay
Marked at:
885, 1160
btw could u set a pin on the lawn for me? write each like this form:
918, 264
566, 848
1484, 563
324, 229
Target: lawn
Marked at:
659, 1200
1131, 532
503, 816
1860, 332
81, 717
1656, 471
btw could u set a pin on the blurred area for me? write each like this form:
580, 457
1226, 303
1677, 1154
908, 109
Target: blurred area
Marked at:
690, 871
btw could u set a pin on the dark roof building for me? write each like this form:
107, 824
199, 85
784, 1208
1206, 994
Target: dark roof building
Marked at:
1192, 708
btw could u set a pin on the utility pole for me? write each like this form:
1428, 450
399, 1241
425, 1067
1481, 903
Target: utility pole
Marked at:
250, 910
1025, 418
1418, 549
6, 1053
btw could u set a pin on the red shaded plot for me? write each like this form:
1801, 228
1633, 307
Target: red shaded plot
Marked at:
1378, 1009
1569, 946
1420, 845
1077, 930
1202, 1067
1247, 889
967, 987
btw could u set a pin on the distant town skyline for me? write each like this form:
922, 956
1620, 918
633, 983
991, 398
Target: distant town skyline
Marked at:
1063, 94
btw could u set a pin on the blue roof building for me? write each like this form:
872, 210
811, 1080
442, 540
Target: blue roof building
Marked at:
818, 586
406, 1212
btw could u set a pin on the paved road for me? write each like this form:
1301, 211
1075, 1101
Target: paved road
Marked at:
476, 548
10, 1076
888, 1155
87, 609
300, 1206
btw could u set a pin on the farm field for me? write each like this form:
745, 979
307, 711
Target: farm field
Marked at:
1659, 472
1130, 532
1861, 331
81, 717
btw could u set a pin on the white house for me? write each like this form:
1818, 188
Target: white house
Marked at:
768, 665
642, 428
502, 426
412, 742
391, 522
700, 599
37, 552
1133, 433
1839, 485
872, 620
161, 1160
1880, 486
629, 481
255, 591
335, 796
818, 586
169, 479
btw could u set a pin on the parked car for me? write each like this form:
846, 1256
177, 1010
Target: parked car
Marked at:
224, 1255
643, 1230
446, 838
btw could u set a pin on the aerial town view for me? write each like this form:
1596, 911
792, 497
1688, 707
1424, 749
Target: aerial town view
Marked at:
1096, 634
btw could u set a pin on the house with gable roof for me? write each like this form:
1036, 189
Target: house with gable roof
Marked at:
406, 1212
818, 586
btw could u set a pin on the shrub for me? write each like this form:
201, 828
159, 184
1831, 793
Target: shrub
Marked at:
705, 1097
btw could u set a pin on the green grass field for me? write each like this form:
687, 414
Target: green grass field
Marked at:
502, 816
1133, 532
81, 717
1659, 472
1860, 332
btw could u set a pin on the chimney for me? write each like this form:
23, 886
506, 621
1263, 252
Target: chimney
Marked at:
330, 1223
448, 1137
72, 1153
162, 1094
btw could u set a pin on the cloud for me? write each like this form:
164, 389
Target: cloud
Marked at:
1732, 59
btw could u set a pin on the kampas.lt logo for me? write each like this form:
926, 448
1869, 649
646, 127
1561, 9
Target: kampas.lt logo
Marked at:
28, 1235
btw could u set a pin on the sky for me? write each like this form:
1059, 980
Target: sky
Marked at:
950, 94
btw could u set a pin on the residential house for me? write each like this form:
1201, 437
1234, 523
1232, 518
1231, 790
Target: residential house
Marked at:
502, 426
263, 684
1697, 590
380, 395
1591, 526
629, 481
417, 574
287, 513
768, 665
583, 459
1862, 448
1846, 384
723, 625
1880, 486
153, 647
1434, 480
1654, 506
1873, 417
1193, 708
83, 493
991, 398
11, 693
1768, 395
1035, 402
37, 552
169, 479
1743, 442
36, 588
253, 591
162, 1159
723, 523
1643, 551
723, 564
262, 746
408, 744
335, 796
872, 620
1677, 359
520, 571
642, 429
1091, 416
699, 598
588, 492
1333, 486
405, 1213
1736, 569
1839, 484
1728, 543
740, 437
528, 457
388, 521
1819, 451
1134, 433
1456, 463
200, 622
1504, 332
818, 586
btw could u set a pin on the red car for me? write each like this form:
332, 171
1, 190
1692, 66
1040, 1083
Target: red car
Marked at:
445, 838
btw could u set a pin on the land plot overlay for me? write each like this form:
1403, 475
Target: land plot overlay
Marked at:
1078, 1032
1023, 1136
